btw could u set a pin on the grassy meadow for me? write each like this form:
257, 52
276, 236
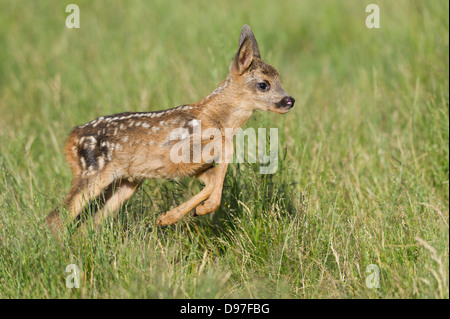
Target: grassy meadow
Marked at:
363, 156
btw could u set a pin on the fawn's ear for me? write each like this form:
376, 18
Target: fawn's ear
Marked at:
246, 32
243, 58
248, 49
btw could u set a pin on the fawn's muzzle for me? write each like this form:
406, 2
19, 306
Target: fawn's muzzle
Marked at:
286, 102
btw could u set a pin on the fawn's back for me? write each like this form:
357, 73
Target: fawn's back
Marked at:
132, 145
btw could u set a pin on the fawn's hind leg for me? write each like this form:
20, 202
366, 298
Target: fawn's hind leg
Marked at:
177, 213
53, 220
83, 191
122, 191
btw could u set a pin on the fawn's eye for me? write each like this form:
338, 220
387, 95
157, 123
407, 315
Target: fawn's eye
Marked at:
263, 86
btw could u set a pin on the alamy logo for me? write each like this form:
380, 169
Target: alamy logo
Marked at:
373, 19
194, 146
73, 19
373, 280
73, 279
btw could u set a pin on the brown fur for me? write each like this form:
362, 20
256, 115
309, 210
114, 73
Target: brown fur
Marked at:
124, 149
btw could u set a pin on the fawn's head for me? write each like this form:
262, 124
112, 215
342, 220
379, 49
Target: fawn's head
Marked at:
258, 83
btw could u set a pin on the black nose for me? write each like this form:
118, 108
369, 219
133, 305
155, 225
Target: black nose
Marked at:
289, 101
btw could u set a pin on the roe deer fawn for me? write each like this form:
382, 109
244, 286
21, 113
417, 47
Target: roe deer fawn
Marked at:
122, 150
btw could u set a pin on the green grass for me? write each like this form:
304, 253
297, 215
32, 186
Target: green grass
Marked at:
364, 155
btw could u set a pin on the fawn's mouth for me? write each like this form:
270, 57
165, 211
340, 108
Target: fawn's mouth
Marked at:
283, 109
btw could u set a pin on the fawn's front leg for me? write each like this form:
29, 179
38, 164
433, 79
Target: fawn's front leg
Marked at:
179, 212
212, 192
213, 202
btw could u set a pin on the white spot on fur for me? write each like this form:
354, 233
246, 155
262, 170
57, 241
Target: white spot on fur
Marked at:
219, 89
194, 122
83, 163
100, 162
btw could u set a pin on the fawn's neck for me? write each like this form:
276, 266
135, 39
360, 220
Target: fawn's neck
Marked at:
225, 106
